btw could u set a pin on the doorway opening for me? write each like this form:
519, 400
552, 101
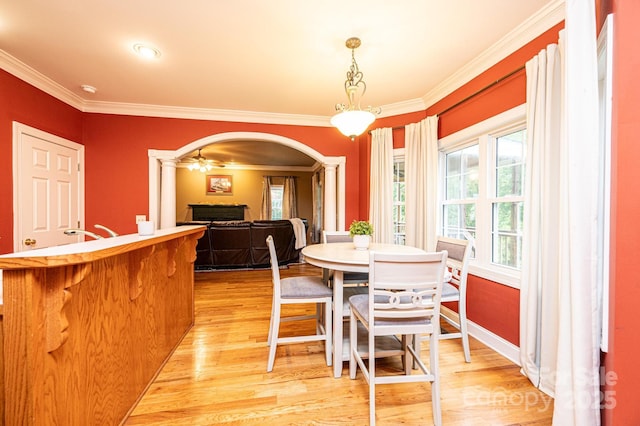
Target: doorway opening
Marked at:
162, 177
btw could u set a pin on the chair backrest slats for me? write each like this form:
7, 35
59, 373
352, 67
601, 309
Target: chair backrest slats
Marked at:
405, 285
336, 237
458, 260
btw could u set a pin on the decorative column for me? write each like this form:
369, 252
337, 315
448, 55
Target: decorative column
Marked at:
168, 194
330, 197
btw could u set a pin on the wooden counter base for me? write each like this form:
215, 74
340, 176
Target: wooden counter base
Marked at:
84, 336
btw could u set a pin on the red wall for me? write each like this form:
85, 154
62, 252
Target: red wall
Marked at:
116, 152
25, 104
116, 155
621, 362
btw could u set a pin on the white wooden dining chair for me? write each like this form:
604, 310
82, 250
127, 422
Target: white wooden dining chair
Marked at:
297, 290
455, 290
403, 300
349, 278
353, 282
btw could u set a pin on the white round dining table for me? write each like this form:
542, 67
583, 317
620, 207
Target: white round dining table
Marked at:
340, 258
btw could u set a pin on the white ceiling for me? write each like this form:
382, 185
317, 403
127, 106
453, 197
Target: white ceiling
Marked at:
268, 61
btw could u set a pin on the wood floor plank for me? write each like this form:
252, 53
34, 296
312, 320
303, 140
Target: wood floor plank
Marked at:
217, 376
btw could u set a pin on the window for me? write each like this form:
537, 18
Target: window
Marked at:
507, 204
276, 201
482, 171
461, 191
399, 220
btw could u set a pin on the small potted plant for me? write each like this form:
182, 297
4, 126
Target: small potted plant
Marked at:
360, 231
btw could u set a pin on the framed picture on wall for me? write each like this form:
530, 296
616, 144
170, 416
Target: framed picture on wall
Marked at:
219, 184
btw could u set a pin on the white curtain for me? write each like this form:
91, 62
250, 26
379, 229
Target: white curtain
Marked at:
265, 210
381, 185
558, 310
421, 183
289, 200
542, 214
577, 392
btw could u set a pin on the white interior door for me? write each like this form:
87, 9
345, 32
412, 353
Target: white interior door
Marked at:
48, 188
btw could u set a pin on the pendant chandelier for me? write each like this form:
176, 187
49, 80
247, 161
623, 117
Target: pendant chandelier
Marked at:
351, 120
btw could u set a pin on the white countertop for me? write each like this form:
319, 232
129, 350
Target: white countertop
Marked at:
95, 245
76, 253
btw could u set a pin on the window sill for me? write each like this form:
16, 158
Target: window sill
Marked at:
500, 277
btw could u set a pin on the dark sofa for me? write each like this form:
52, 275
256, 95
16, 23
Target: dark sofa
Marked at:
242, 244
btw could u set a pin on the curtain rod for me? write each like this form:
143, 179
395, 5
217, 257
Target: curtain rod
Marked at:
471, 96
476, 93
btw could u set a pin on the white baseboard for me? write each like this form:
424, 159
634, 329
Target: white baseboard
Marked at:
493, 341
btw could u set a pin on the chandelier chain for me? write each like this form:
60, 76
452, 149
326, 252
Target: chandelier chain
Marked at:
355, 79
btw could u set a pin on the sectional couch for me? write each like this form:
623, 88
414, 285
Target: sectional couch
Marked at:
242, 244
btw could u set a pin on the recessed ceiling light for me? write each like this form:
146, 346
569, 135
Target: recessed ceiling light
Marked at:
89, 89
145, 51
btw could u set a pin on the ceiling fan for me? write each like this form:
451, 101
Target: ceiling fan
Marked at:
199, 162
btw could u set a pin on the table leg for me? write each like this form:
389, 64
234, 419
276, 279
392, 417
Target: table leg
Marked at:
337, 323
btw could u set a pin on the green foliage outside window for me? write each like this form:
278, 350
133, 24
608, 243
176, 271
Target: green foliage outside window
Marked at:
399, 212
463, 176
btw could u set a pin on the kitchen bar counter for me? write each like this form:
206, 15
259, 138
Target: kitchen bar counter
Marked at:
88, 326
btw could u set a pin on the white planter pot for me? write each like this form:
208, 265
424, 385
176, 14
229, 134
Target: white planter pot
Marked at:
361, 242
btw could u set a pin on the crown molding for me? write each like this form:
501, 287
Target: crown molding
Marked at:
404, 107
205, 114
40, 81
550, 15
397, 108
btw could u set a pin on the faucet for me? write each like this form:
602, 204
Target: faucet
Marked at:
83, 232
109, 231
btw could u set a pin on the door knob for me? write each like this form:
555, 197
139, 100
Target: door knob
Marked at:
29, 242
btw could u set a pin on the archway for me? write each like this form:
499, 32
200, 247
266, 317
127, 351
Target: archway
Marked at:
162, 177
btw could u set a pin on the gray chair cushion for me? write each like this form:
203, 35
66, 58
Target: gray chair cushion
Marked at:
347, 293
303, 287
449, 290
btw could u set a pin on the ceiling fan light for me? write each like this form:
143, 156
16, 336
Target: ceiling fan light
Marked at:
200, 163
352, 123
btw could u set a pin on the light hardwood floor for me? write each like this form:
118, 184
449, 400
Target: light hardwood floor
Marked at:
218, 374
